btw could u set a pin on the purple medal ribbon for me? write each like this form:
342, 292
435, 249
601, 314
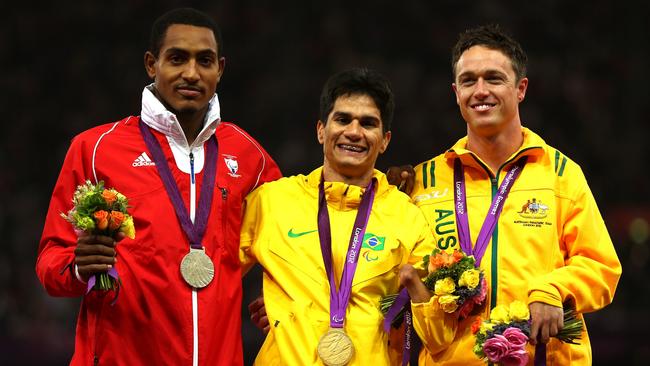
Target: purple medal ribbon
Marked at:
196, 230
339, 299
489, 224
402, 300
493, 214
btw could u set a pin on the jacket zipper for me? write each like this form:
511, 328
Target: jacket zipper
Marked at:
195, 317
494, 181
96, 335
224, 216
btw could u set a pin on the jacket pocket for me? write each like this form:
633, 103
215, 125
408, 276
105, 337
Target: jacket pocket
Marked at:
375, 263
299, 261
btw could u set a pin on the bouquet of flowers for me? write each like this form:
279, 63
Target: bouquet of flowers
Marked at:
457, 284
503, 338
101, 211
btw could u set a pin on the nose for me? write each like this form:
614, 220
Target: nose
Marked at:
481, 90
353, 130
191, 72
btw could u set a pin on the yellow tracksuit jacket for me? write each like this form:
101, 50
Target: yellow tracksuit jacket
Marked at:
550, 245
280, 232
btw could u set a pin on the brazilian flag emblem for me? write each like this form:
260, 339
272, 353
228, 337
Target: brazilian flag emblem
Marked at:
373, 242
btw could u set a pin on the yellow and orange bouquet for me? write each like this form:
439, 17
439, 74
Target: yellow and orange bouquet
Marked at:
458, 286
100, 211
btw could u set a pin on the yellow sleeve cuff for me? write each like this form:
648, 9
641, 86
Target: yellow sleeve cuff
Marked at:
547, 294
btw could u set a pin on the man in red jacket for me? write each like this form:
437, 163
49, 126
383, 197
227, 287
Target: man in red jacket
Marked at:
185, 173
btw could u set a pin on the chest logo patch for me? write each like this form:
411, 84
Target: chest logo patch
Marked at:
373, 242
534, 209
232, 165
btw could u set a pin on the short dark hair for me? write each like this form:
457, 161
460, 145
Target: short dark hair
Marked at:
187, 16
491, 36
359, 81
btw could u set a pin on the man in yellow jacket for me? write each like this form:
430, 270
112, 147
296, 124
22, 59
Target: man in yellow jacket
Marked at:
335, 241
543, 242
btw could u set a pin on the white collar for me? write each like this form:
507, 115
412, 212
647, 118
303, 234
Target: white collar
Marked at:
156, 116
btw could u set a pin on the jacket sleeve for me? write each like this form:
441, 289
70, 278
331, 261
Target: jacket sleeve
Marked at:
55, 262
251, 223
435, 328
269, 170
591, 267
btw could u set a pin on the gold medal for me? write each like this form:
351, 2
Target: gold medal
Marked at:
335, 348
197, 268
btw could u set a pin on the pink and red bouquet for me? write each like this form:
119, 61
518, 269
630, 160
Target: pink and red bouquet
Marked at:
502, 339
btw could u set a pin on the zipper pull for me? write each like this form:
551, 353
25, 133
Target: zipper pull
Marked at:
192, 167
224, 193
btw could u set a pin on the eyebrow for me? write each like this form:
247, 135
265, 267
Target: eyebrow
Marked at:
207, 51
366, 117
489, 72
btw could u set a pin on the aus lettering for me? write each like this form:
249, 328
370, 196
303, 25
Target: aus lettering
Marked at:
445, 229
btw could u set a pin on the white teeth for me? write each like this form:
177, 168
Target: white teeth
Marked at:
482, 107
350, 147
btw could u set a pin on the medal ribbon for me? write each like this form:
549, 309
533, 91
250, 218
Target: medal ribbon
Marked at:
339, 299
196, 230
402, 301
492, 217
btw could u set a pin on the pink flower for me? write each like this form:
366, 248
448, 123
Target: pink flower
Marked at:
496, 348
515, 357
516, 337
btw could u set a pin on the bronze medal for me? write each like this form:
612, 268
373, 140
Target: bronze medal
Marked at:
197, 268
335, 348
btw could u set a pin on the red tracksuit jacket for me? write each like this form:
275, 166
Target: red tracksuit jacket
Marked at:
155, 320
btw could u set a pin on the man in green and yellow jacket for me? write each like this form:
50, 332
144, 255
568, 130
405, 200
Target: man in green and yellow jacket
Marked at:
341, 229
520, 206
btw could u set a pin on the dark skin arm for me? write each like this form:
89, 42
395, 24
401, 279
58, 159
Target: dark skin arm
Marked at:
258, 314
95, 254
402, 176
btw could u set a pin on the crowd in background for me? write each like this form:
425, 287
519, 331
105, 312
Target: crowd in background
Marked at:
68, 66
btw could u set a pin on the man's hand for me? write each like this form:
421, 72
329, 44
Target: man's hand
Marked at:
402, 176
258, 314
95, 254
408, 277
546, 321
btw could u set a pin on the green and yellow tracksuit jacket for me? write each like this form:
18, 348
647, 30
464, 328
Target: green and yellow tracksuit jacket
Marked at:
550, 245
280, 232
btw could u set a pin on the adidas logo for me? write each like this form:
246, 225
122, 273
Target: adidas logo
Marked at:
143, 160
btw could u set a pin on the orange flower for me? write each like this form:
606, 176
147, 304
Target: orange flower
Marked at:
116, 220
458, 255
101, 219
109, 197
443, 259
476, 325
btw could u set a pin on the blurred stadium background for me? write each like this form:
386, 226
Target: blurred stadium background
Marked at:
68, 66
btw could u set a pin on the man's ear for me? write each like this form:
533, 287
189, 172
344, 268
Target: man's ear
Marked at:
320, 132
222, 65
455, 89
385, 142
522, 86
150, 64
